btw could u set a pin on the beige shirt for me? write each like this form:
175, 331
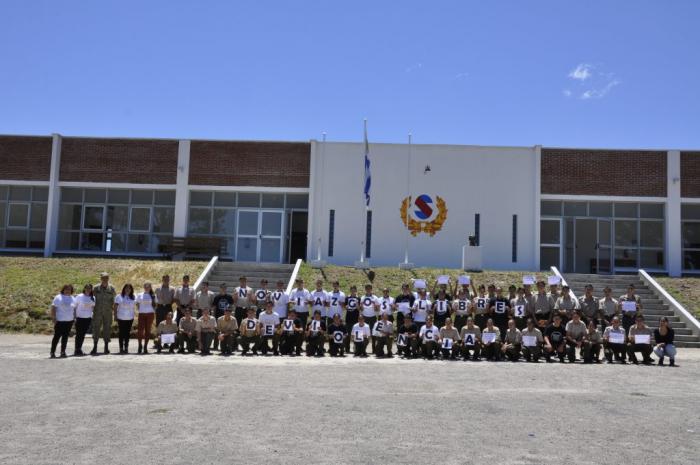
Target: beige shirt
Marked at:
513, 336
610, 329
576, 330
608, 306
184, 296
165, 295
242, 296
534, 332
206, 324
543, 303
644, 330
245, 331
227, 326
589, 307
476, 331
166, 328
451, 333
204, 299
494, 330
188, 326
595, 337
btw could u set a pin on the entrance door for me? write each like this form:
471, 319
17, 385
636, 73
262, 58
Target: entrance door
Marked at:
586, 244
296, 238
260, 235
93, 227
604, 246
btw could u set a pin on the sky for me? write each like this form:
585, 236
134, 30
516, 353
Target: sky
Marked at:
609, 74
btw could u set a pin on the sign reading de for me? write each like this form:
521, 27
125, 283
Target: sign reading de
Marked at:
423, 214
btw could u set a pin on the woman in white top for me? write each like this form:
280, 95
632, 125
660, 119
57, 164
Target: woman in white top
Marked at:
62, 313
124, 310
84, 306
146, 302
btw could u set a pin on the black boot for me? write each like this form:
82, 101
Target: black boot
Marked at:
140, 350
94, 348
106, 347
145, 347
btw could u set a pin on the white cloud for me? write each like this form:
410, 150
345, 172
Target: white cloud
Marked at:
601, 92
582, 72
566, 92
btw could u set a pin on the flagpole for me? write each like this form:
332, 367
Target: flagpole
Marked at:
406, 265
365, 207
323, 200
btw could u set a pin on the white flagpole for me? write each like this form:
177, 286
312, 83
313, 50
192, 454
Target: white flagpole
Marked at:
364, 202
406, 265
323, 200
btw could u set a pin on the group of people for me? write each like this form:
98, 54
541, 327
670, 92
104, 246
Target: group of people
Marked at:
453, 320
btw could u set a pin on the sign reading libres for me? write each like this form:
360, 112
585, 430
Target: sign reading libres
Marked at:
425, 215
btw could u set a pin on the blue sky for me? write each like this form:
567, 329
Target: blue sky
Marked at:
556, 73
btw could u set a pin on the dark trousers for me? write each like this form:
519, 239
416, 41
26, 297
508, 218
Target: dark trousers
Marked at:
248, 341
430, 349
450, 353
81, 327
314, 345
162, 311
558, 349
206, 340
472, 351
591, 352
239, 314
185, 340
291, 343
644, 349
460, 321
571, 351
159, 346
227, 343
410, 349
492, 351
440, 319
369, 321
303, 317
379, 345
619, 351
350, 320
124, 333
265, 343
480, 320
61, 330
336, 349
532, 353
361, 348
512, 353
628, 320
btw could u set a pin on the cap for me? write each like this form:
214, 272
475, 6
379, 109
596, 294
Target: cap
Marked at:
104, 274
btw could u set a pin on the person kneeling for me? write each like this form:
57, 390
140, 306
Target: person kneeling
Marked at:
640, 341
337, 333
471, 340
512, 342
532, 342
228, 326
555, 340
249, 332
491, 341
167, 328
430, 339
592, 343
575, 336
187, 334
360, 336
450, 340
382, 333
614, 338
407, 341
315, 336
292, 335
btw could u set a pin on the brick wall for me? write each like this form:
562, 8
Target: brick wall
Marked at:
267, 164
603, 172
25, 158
119, 160
690, 174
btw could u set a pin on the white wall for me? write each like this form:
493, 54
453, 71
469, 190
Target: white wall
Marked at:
496, 182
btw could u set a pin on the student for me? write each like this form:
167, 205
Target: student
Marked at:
187, 333
300, 299
291, 335
104, 294
421, 309
404, 303
555, 340
386, 305
315, 335
449, 333
269, 323
437, 288
430, 339
520, 308
491, 349
352, 313
369, 304
262, 295
480, 307
512, 342
206, 331
227, 326
280, 300
663, 335
441, 307
565, 305
337, 333
167, 326
470, 340
410, 332
576, 333
636, 333
614, 341
204, 299
184, 297
461, 308
84, 307
543, 306
592, 344
124, 310
319, 300
165, 296
222, 301
145, 301
336, 302
589, 306
629, 316
500, 308
249, 333
532, 342
242, 297
382, 333
608, 308
62, 315
360, 335
512, 292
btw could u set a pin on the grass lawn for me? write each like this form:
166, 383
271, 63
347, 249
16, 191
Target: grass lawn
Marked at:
29, 284
685, 290
393, 277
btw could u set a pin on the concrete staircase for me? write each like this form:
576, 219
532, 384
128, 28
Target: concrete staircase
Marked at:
653, 307
229, 272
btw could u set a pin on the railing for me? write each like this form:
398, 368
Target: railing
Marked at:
563, 282
202, 277
678, 309
290, 285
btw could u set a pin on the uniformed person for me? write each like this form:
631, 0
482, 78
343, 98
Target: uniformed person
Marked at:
636, 332
576, 332
187, 333
480, 307
222, 301
555, 340
615, 341
449, 333
206, 331
184, 297
593, 344
543, 306
461, 308
565, 305
165, 296
269, 322
249, 333
512, 342
262, 295
532, 342
607, 308
500, 310
470, 340
430, 339
629, 316
227, 327
520, 309
102, 315
589, 305
167, 326
382, 332
491, 350
204, 299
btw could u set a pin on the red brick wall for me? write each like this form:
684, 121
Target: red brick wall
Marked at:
690, 174
603, 172
268, 164
119, 160
25, 158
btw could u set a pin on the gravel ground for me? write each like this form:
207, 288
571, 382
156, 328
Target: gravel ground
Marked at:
199, 410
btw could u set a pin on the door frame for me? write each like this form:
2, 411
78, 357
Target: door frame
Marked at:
259, 236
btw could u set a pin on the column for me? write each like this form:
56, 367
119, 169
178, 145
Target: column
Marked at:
52, 206
674, 244
181, 189
537, 196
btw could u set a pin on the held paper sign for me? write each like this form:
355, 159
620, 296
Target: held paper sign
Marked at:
288, 325
488, 337
642, 339
447, 343
481, 304
500, 307
519, 310
250, 325
167, 338
629, 306
528, 280
338, 337
616, 338
428, 335
553, 280
359, 336
402, 341
443, 279
469, 339
269, 329
315, 325
529, 341
419, 283
404, 307
464, 280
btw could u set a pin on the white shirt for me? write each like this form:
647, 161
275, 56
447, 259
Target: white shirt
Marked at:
386, 305
442, 306
420, 310
280, 302
364, 330
318, 301
431, 333
145, 302
367, 302
383, 328
268, 320
300, 300
64, 307
336, 300
84, 305
125, 307
261, 296
242, 296
461, 307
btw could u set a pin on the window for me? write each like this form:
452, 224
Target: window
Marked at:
18, 216
368, 235
331, 231
140, 219
550, 208
23, 216
514, 258
477, 227
690, 236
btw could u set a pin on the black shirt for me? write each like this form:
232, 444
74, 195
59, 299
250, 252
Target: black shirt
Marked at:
405, 298
555, 334
332, 329
352, 304
410, 329
221, 303
308, 327
501, 318
667, 339
297, 324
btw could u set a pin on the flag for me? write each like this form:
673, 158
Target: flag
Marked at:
368, 174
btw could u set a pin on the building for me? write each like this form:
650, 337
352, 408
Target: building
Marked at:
583, 210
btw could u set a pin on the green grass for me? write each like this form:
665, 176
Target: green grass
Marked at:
685, 290
28, 284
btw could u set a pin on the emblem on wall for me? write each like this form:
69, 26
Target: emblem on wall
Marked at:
423, 215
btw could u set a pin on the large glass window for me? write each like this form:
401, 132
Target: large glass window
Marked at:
115, 220
690, 234
23, 216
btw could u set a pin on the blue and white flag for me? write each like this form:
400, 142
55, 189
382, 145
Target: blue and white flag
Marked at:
368, 174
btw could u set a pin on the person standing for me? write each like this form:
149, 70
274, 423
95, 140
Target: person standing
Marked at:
222, 301
500, 309
104, 295
565, 306
84, 307
184, 297
663, 335
352, 311
589, 306
262, 295
404, 303
280, 300
441, 307
336, 302
386, 305
520, 308
204, 299
124, 311
369, 303
543, 306
608, 308
319, 300
630, 305
480, 307
300, 298
62, 316
145, 302
461, 307
165, 296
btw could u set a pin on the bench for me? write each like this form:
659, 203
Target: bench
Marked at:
183, 247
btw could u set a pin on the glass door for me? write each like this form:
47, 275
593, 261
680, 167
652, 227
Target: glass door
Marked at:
604, 247
248, 232
92, 227
550, 243
260, 236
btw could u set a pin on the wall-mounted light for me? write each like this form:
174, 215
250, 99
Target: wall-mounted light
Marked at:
676, 179
427, 169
